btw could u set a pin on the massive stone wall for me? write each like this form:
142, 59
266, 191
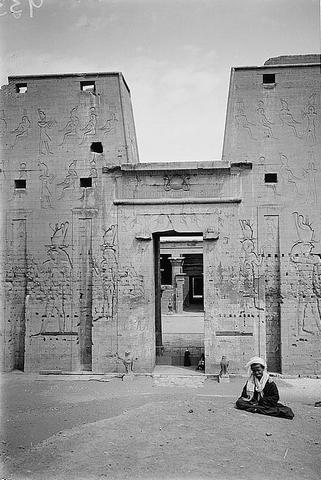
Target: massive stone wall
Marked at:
82, 222
56, 137
275, 125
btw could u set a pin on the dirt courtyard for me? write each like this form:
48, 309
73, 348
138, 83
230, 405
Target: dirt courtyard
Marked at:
72, 427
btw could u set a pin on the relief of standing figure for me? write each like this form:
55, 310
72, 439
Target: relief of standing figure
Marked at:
44, 124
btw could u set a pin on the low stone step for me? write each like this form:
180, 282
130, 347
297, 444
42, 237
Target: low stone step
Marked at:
193, 381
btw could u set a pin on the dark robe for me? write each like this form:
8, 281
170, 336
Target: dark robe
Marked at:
187, 360
266, 405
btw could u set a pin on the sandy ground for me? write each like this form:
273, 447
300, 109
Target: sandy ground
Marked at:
65, 427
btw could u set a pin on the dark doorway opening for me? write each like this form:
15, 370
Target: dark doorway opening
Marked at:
179, 298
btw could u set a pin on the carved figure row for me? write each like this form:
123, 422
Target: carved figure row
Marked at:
72, 128
69, 182
297, 182
305, 128
308, 265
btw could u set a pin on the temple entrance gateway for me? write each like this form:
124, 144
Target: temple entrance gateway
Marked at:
180, 284
92, 272
180, 314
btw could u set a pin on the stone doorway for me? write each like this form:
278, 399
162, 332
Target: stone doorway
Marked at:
180, 294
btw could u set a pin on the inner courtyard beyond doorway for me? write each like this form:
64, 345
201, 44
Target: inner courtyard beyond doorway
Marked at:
182, 300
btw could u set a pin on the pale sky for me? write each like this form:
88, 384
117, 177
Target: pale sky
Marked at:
175, 55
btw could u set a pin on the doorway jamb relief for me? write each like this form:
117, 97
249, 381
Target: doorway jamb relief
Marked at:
210, 237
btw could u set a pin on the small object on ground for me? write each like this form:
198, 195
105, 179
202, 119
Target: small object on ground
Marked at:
224, 366
268, 434
128, 361
286, 452
224, 375
190, 411
187, 360
201, 363
317, 404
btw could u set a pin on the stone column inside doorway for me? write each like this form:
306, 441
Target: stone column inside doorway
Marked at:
180, 280
177, 268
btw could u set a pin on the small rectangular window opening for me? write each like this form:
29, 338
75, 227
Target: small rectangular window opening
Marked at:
271, 178
96, 147
268, 77
21, 88
88, 86
86, 182
20, 183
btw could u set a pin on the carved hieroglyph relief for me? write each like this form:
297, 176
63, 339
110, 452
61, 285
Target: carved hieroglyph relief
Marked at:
297, 183
131, 284
45, 139
23, 175
242, 122
309, 174
270, 231
289, 180
176, 182
90, 128
14, 270
22, 129
110, 124
72, 127
308, 265
69, 180
109, 277
93, 173
287, 119
310, 117
106, 270
265, 122
46, 180
250, 265
89, 195
269, 224
50, 284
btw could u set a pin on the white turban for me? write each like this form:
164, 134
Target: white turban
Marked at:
254, 360
253, 383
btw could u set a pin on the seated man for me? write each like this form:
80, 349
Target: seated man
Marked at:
260, 394
201, 363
